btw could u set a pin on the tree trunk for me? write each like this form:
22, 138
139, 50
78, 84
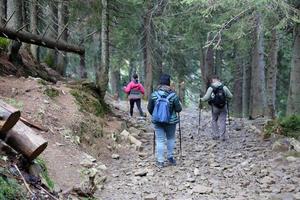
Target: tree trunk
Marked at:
132, 69
272, 74
15, 6
33, 27
102, 75
63, 34
257, 96
237, 105
82, 67
202, 70
246, 89
209, 61
115, 82
181, 92
218, 63
293, 103
52, 33
24, 140
147, 51
2, 11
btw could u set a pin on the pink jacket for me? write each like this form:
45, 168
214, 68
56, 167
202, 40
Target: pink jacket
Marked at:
134, 90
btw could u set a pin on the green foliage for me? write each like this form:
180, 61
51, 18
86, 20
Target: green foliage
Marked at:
96, 130
10, 189
4, 43
51, 92
291, 126
42, 82
49, 60
287, 126
44, 174
88, 103
15, 103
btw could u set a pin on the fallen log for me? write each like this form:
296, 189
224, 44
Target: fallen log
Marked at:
40, 40
24, 140
9, 116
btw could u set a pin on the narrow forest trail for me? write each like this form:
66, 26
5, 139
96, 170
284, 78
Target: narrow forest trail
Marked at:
243, 167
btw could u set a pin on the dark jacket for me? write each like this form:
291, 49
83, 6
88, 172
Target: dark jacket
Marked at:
175, 105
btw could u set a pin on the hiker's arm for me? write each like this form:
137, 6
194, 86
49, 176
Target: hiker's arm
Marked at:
228, 93
127, 88
207, 94
177, 104
150, 106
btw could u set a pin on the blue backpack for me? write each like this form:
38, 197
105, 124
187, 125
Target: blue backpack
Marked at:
161, 112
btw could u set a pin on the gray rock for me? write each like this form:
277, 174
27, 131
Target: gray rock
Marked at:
191, 180
87, 163
295, 144
115, 156
201, 189
196, 172
267, 180
151, 197
291, 159
141, 172
281, 145
297, 196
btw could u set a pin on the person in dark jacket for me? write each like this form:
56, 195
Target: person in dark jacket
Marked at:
218, 114
165, 132
135, 90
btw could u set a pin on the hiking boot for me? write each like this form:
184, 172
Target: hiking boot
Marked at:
172, 161
159, 164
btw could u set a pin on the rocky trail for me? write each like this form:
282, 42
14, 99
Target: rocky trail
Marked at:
242, 167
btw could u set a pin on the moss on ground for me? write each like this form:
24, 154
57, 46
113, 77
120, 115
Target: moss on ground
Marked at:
89, 103
10, 189
51, 92
44, 173
42, 82
287, 126
4, 43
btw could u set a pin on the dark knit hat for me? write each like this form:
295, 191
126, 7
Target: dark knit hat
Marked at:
135, 76
165, 79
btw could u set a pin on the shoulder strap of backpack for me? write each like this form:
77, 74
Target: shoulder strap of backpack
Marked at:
157, 94
170, 96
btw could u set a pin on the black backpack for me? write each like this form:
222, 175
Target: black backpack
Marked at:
218, 97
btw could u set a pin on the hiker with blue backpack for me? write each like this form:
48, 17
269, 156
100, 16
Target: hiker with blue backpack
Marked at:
217, 96
164, 105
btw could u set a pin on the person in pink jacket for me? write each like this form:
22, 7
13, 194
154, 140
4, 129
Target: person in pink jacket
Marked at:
135, 90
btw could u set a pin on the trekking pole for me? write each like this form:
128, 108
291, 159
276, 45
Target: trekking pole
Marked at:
180, 147
199, 125
154, 143
228, 113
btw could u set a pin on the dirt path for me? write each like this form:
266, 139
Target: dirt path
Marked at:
243, 167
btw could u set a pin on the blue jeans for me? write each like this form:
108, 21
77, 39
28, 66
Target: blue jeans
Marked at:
164, 133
